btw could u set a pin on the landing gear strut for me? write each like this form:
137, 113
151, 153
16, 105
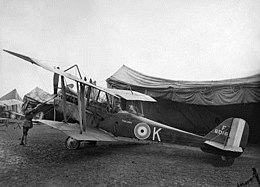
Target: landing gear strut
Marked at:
92, 143
72, 143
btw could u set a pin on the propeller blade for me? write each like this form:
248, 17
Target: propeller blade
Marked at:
55, 82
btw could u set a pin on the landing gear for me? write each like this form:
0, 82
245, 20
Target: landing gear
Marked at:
72, 143
92, 143
228, 160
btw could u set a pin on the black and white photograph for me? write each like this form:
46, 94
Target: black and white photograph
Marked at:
130, 93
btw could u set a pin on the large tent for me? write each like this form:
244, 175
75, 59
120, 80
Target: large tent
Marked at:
11, 102
196, 106
36, 96
39, 96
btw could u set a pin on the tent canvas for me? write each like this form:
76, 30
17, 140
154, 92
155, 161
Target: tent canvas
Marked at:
12, 101
224, 92
195, 106
36, 96
11, 95
39, 96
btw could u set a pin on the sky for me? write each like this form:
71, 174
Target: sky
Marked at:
172, 39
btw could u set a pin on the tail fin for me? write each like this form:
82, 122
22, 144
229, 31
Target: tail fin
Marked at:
230, 135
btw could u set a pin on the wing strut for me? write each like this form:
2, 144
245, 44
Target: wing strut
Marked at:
83, 106
79, 108
63, 98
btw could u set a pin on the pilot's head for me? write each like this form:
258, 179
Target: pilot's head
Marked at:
132, 109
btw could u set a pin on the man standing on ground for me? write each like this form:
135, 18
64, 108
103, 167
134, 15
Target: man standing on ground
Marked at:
27, 124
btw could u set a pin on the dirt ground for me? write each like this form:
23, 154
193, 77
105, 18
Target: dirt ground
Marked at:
46, 162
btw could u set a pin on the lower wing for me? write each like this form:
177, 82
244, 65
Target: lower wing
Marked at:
73, 130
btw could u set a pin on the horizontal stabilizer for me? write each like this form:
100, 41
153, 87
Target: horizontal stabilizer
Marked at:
73, 130
224, 148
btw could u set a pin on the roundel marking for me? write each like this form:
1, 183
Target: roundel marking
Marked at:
142, 131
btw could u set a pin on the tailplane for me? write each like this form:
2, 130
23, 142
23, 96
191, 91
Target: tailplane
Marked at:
228, 139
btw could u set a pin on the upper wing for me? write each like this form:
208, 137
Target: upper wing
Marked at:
130, 95
58, 71
72, 130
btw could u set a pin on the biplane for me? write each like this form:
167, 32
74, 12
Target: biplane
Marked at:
9, 113
103, 114
8, 116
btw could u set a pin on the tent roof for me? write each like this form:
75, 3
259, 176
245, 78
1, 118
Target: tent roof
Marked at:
11, 95
231, 91
38, 95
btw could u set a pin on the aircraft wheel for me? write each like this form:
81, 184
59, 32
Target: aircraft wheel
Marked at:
228, 159
72, 143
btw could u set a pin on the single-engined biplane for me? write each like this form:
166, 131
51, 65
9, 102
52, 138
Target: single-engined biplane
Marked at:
8, 116
9, 113
103, 114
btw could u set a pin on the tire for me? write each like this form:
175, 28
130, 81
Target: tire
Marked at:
72, 143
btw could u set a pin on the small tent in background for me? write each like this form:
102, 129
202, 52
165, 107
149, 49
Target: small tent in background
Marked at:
36, 96
39, 96
196, 106
11, 102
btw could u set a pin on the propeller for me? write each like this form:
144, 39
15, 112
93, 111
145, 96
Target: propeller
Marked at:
56, 82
